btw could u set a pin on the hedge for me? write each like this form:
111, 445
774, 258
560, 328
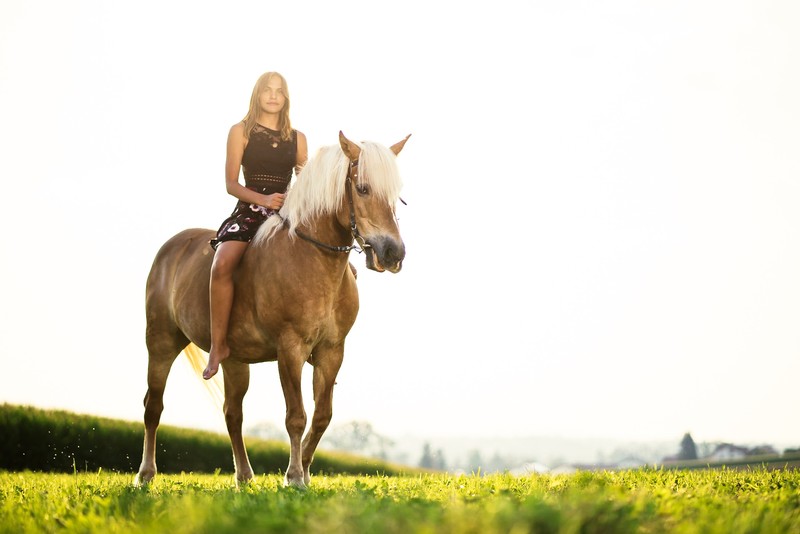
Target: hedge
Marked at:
60, 441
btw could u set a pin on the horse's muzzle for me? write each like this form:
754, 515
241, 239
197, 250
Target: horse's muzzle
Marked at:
385, 254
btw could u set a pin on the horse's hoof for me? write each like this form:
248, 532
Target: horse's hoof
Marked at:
141, 480
243, 482
295, 483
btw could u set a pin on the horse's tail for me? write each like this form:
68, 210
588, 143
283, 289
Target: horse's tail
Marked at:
214, 384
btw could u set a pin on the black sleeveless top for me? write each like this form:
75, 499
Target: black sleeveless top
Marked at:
267, 164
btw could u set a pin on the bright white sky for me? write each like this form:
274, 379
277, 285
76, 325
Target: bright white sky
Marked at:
602, 226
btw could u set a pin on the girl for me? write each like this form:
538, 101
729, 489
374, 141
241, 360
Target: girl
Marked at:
268, 151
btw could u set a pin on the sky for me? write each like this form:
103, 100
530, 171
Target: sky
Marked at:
602, 229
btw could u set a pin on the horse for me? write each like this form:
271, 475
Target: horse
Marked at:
295, 296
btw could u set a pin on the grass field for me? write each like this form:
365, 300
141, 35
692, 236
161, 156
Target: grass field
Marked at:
626, 501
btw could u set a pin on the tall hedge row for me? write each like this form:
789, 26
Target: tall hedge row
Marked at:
60, 441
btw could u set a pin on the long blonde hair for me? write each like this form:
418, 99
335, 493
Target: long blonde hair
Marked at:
284, 123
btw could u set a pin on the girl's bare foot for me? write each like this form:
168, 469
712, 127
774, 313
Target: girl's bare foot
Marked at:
214, 359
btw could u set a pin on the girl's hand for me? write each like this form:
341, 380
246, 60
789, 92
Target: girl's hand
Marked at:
275, 201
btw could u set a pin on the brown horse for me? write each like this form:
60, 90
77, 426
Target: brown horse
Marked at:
296, 297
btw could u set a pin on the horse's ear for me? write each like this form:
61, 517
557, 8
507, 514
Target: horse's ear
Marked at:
350, 149
397, 147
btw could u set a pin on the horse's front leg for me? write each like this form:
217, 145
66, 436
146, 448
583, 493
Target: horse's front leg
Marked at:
327, 362
290, 368
237, 381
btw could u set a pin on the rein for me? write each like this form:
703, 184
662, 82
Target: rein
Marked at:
352, 170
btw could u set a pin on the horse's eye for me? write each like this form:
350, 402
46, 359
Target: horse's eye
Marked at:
362, 189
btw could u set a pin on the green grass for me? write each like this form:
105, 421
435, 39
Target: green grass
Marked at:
721, 501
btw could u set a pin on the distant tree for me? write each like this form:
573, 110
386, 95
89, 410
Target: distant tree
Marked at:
358, 437
267, 430
439, 463
426, 462
497, 464
705, 449
474, 461
688, 448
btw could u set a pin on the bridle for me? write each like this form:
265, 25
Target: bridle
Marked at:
352, 174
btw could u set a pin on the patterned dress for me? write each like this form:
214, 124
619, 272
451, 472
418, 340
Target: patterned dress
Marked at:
267, 165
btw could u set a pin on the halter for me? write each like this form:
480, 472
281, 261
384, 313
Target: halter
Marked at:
351, 170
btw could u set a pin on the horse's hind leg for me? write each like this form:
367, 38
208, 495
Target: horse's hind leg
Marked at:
237, 381
162, 349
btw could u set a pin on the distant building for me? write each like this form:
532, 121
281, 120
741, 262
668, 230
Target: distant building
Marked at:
722, 452
763, 450
727, 451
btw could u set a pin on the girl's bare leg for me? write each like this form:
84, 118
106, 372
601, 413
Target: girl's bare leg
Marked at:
220, 288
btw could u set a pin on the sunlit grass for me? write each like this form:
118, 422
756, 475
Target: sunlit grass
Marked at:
627, 501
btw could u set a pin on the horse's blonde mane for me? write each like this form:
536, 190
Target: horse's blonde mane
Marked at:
320, 187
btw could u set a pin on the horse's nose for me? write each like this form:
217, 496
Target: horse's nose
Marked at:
390, 253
